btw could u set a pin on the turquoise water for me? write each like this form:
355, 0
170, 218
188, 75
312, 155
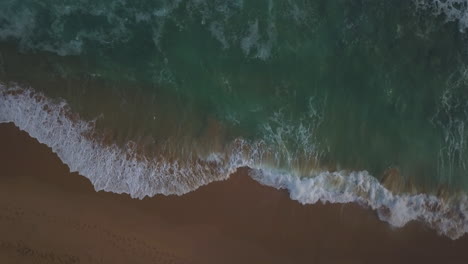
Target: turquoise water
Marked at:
353, 84
296, 87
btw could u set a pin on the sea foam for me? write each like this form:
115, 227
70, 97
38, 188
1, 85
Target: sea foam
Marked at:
119, 170
108, 167
452, 10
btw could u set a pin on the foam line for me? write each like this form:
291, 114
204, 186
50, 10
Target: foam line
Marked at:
118, 170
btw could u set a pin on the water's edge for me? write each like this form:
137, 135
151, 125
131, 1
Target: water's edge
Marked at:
119, 170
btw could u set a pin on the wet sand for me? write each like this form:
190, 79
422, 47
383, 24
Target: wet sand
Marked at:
49, 215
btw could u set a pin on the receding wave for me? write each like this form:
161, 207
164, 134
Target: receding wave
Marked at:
122, 170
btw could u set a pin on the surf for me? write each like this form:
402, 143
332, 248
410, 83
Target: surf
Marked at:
121, 170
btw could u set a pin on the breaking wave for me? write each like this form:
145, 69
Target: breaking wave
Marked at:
121, 170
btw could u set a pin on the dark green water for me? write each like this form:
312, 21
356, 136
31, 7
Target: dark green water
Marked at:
345, 84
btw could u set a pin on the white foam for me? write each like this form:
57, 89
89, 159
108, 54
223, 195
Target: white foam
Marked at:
217, 31
109, 168
453, 10
115, 169
253, 41
447, 217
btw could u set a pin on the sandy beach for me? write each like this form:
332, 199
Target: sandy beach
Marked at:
49, 215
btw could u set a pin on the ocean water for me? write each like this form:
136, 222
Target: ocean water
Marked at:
336, 101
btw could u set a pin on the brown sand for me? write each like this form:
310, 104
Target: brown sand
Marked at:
49, 215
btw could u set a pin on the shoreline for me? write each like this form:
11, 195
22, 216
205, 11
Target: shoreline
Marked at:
51, 215
121, 170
